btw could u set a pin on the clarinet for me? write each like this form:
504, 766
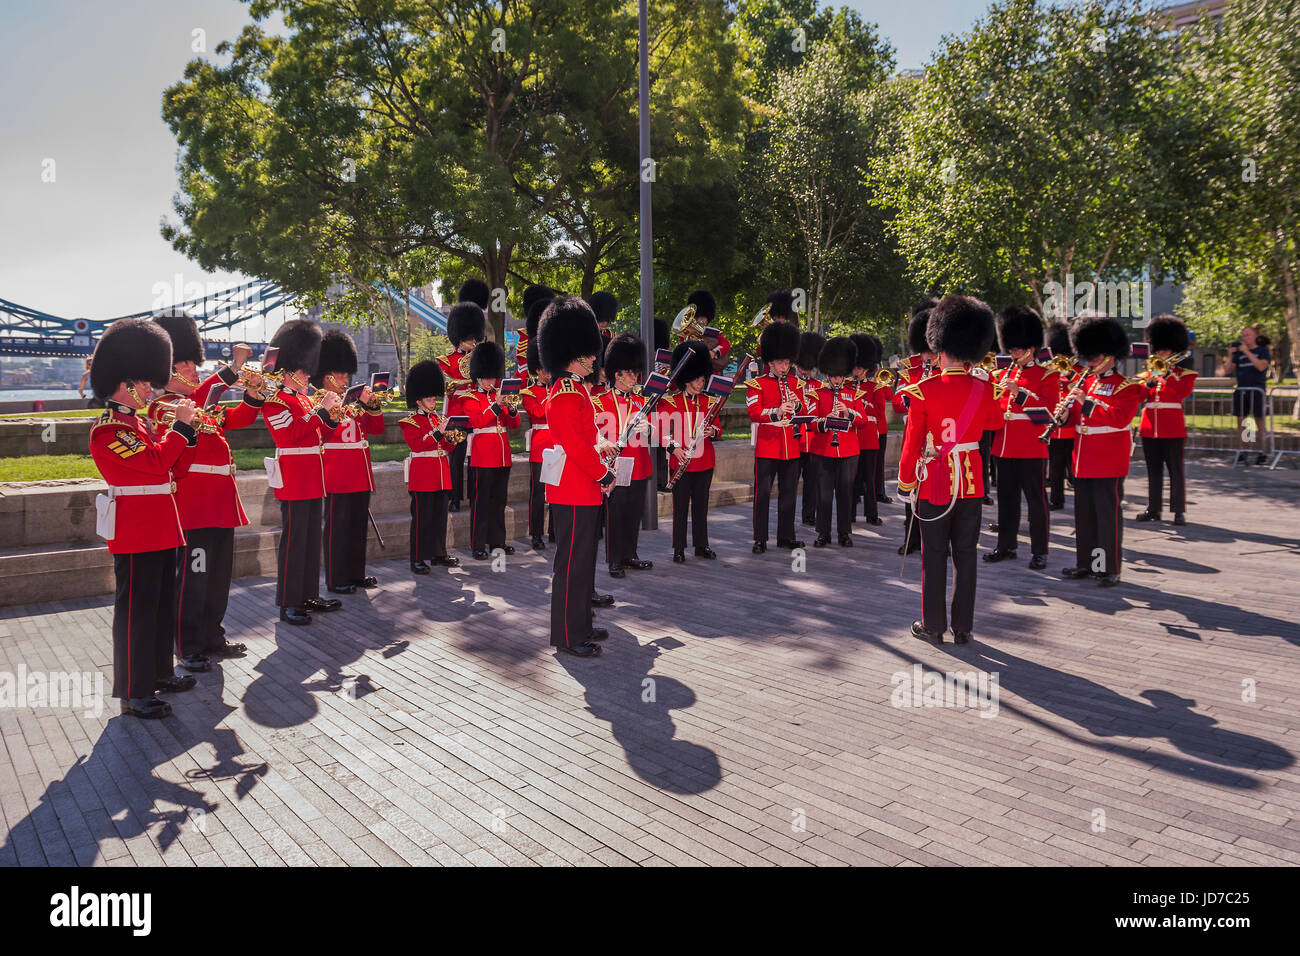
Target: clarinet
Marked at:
785, 397
1062, 413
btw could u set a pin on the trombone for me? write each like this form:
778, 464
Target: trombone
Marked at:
687, 325
1158, 367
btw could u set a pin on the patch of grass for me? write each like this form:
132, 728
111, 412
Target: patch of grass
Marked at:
47, 467
67, 413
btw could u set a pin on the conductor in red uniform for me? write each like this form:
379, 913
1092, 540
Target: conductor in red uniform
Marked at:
428, 479
207, 496
1164, 428
772, 400
948, 411
138, 516
568, 342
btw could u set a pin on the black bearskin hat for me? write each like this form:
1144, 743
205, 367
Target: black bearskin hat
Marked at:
1163, 332
700, 364
604, 305
534, 316
878, 350
1058, 338
782, 305
1094, 335
130, 350
474, 290
838, 356
466, 322
916, 332
705, 305
810, 346
925, 305
867, 355
184, 333
780, 340
299, 343
567, 332
961, 326
534, 357
424, 380
487, 361
1019, 327
537, 293
338, 353
625, 352
663, 338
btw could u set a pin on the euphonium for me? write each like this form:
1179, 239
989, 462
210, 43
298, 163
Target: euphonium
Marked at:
763, 319
886, 377
687, 326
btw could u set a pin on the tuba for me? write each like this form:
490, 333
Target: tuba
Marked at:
687, 326
763, 319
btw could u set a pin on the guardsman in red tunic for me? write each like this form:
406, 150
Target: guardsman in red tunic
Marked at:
490, 419
1164, 429
535, 298
533, 399
625, 365
810, 346
138, 516
207, 495
948, 411
297, 473
912, 369
349, 480
882, 397
681, 418
772, 400
466, 328
1021, 457
1060, 452
576, 477
864, 484
428, 479
838, 410
1101, 408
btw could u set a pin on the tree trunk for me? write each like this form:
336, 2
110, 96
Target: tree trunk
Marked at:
1292, 323
496, 269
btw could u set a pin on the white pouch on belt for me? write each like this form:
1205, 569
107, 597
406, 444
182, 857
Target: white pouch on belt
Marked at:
105, 516
274, 478
553, 464
406, 469
623, 470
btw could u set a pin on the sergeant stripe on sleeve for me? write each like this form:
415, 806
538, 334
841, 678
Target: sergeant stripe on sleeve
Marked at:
281, 419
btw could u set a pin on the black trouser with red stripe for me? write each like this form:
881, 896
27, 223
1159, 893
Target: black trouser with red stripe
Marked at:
1162, 453
456, 460
575, 573
835, 479
346, 516
1027, 476
692, 493
864, 486
623, 509
428, 524
142, 620
1060, 454
1098, 524
297, 565
488, 501
204, 565
987, 457
808, 469
880, 465
536, 500
786, 473
959, 530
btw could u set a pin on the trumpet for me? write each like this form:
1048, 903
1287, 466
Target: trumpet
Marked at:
687, 326
164, 413
355, 409
1062, 364
247, 374
1158, 367
763, 319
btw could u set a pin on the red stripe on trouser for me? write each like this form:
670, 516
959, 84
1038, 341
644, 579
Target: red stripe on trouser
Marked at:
568, 575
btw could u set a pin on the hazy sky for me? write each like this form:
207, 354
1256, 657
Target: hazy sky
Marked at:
82, 86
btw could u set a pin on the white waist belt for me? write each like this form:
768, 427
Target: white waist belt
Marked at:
1164, 404
126, 491
493, 430
1017, 417
539, 428
344, 445
1101, 429
965, 446
212, 469
429, 454
313, 450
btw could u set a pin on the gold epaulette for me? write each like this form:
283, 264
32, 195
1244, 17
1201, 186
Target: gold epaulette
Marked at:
408, 420
274, 397
566, 385
914, 390
1134, 380
750, 383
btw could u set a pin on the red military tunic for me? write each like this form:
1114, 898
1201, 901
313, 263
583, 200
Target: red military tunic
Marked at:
868, 432
296, 430
910, 371
680, 416
774, 438
882, 397
347, 453
138, 470
489, 442
613, 410
521, 359
533, 399
426, 468
1019, 439
455, 366
1104, 444
1066, 381
808, 396
847, 446
947, 413
1162, 413
572, 417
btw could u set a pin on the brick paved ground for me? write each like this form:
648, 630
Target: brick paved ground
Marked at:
741, 714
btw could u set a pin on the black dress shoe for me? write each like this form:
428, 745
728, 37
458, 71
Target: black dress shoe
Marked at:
961, 637
601, 600
846, 541
148, 708
993, 526
227, 649
679, 557
790, 544
615, 571
480, 555
706, 553
1148, 515
174, 684
598, 634
453, 506
760, 547
419, 567
550, 536
369, 581
920, 632
446, 561
197, 663
294, 615
318, 604
809, 521
508, 549
1055, 505
586, 649
988, 499
1038, 562
875, 522
342, 589
1000, 554
821, 541
1075, 574
538, 544
636, 564
884, 499
1179, 519
1108, 580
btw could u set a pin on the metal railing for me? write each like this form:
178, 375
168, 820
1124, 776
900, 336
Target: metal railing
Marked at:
1222, 433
